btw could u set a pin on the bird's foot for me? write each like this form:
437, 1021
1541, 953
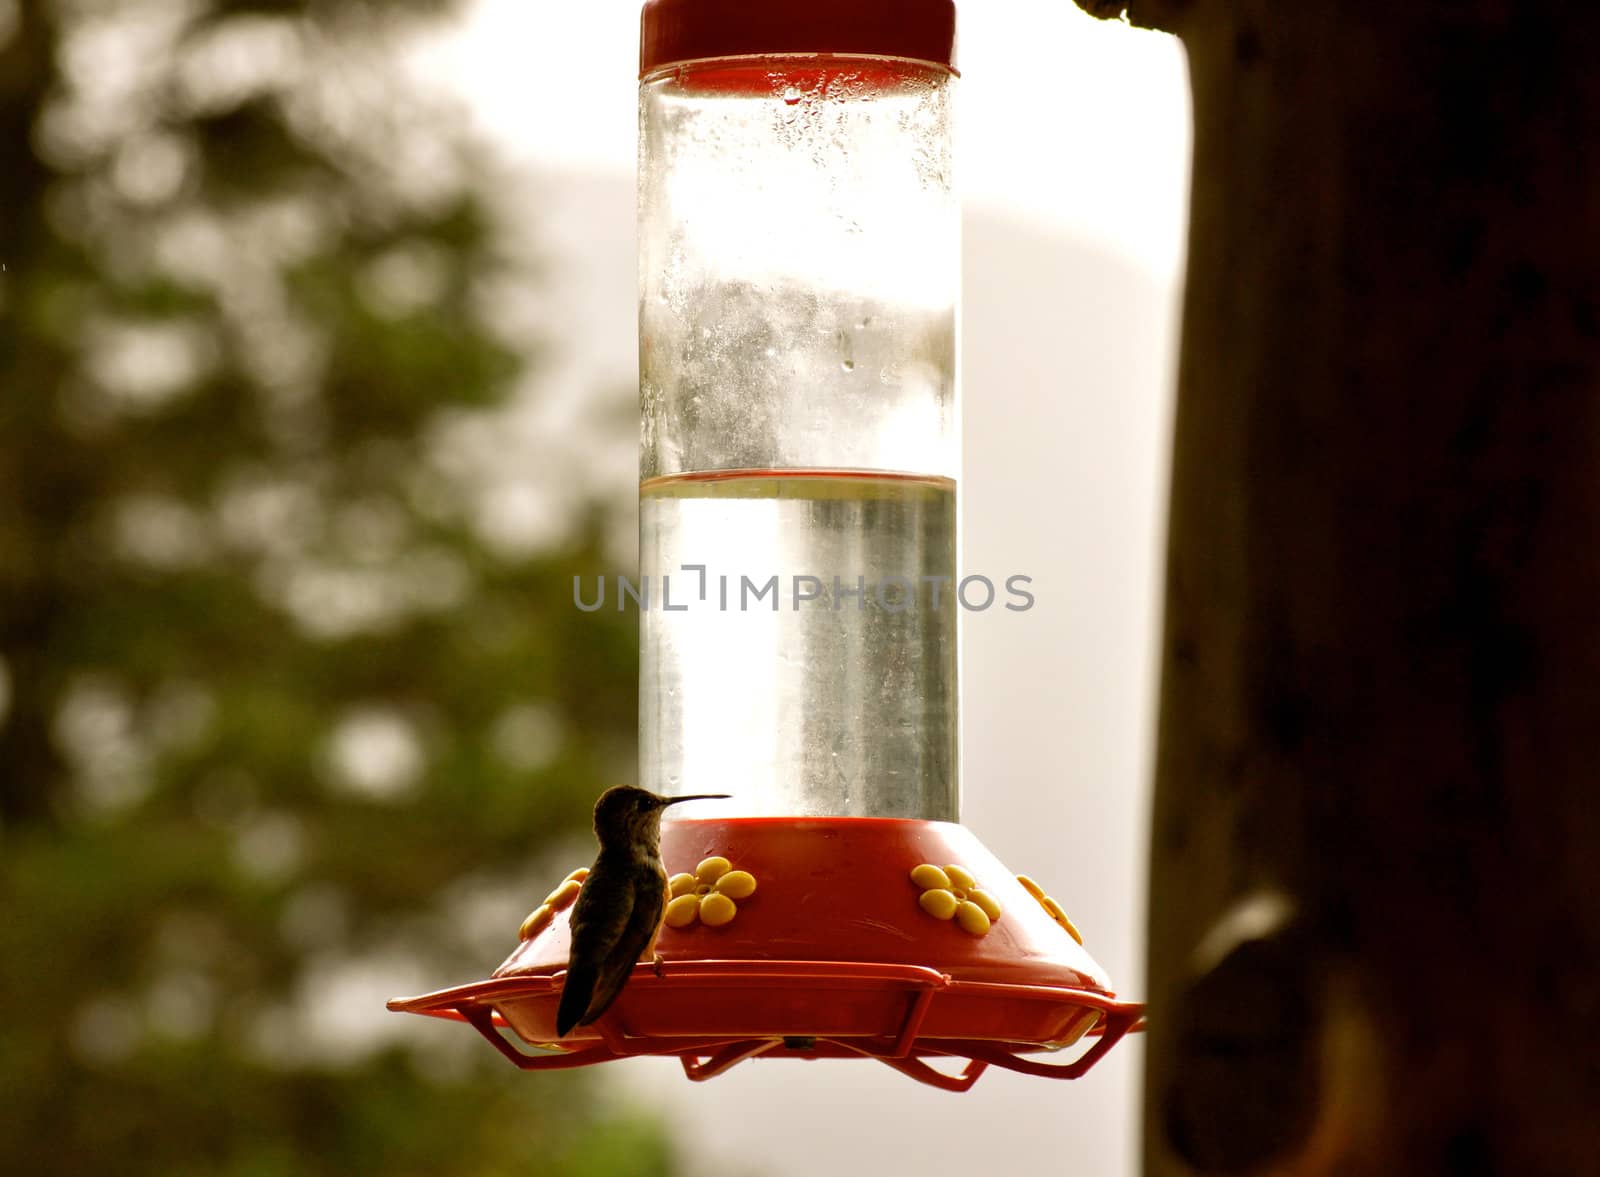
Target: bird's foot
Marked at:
658, 962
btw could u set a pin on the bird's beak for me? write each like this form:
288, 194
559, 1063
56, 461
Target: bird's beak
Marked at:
697, 797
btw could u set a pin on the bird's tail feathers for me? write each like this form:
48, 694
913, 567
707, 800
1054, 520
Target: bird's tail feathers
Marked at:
576, 995
606, 991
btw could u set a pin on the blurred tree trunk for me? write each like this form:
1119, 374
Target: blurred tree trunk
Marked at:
1375, 905
29, 501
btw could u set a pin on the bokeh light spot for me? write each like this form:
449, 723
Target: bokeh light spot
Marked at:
375, 753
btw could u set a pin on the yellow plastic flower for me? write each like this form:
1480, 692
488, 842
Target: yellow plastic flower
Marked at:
951, 893
1050, 906
708, 895
566, 891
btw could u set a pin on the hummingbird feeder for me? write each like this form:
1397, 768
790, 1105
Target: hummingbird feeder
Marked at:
799, 238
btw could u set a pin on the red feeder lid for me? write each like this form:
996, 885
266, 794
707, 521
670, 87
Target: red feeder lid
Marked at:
675, 31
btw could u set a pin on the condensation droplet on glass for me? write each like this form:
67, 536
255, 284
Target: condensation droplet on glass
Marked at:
791, 95
848, 365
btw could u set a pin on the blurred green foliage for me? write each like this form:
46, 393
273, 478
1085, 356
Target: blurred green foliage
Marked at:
280, 734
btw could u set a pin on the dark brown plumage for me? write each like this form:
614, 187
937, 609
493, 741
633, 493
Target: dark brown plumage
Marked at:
619, 910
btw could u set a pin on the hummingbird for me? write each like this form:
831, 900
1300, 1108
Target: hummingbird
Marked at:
619, 911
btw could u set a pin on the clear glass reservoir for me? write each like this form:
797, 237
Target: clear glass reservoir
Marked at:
799, 448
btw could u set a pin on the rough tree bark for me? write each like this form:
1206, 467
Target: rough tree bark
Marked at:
1375, 901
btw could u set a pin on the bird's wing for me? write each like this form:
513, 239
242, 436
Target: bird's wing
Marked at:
649, 904
600, 919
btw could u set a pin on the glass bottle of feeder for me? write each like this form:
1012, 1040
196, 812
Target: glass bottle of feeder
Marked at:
799, 239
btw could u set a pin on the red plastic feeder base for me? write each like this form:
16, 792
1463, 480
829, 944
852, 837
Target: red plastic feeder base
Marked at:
809, 938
